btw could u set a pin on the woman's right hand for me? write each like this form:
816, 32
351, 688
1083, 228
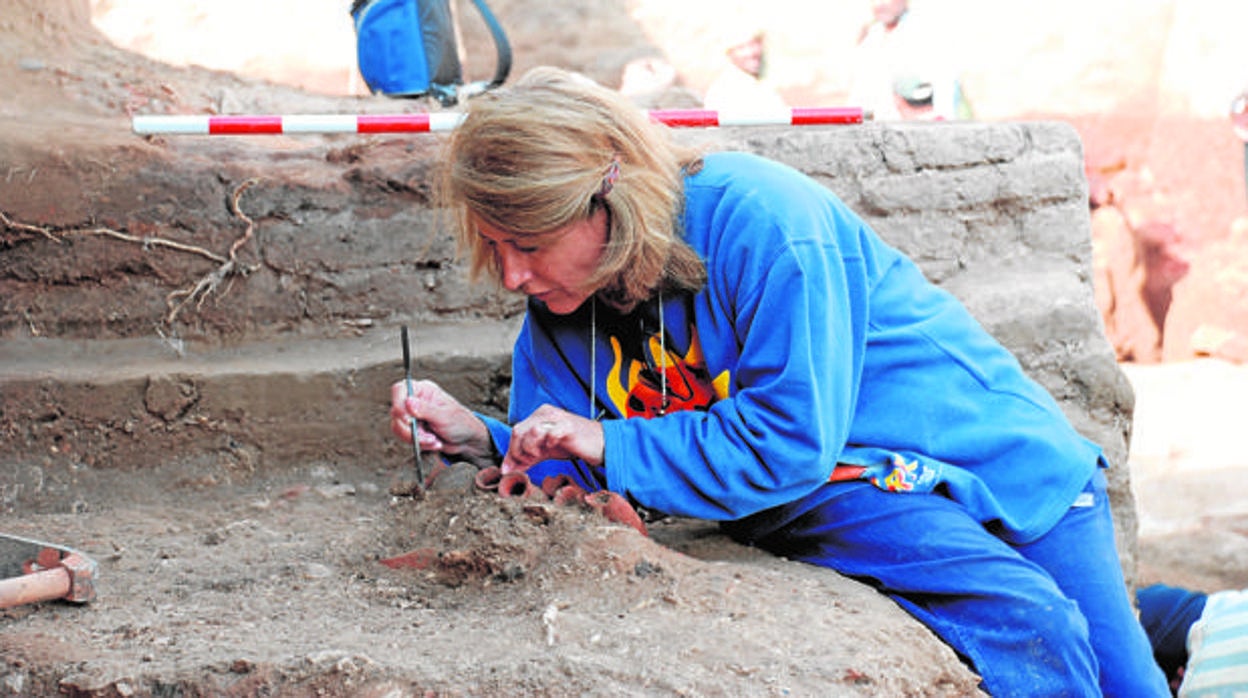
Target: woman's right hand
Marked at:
443, 423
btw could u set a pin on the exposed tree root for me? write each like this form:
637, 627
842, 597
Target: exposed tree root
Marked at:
147, 241
179, 299
209, 283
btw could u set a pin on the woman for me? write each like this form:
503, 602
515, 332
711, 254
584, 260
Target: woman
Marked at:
720, 337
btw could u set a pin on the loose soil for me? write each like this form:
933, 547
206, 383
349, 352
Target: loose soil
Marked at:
277, 588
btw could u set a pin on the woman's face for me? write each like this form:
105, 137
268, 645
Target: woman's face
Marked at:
748, 56
554, 268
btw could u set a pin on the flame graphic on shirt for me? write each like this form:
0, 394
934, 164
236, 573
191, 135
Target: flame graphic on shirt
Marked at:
636, 389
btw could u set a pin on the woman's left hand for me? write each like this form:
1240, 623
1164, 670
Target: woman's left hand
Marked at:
553, 433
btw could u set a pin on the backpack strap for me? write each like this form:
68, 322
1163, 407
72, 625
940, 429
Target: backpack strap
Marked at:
501, 45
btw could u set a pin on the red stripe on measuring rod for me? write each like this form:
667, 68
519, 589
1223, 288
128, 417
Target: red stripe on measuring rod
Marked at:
685, 117
224, 125
806, 116
393, 123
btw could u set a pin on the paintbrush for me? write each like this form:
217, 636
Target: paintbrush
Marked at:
407, 371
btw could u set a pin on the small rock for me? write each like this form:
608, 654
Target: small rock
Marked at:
406, 488
459, 477
170, 398
323, 472
342, 489
315, 570
214, 538
15, 683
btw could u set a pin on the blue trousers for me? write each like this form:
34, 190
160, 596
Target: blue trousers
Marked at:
1049, 618
1168, 614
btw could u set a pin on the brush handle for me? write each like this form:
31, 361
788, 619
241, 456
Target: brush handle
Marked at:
407, 356
407, 373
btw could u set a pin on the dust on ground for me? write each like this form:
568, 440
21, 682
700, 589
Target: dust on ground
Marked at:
277, 588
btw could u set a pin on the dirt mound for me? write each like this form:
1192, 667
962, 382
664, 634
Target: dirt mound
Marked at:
276, 587
456, 533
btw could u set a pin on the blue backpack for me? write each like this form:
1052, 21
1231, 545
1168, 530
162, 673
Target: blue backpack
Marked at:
408, 48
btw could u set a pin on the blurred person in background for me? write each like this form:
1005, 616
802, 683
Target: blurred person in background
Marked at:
1200, 640
905, 66
1239, 122
740, 84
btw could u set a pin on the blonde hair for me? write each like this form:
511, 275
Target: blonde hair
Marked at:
552, 149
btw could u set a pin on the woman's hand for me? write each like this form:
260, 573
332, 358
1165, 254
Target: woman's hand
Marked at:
553, 433
444, 424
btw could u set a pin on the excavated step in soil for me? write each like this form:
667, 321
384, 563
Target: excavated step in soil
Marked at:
241, 504
136, 403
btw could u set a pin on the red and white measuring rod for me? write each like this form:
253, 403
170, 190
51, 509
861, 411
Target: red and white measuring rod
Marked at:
243, 125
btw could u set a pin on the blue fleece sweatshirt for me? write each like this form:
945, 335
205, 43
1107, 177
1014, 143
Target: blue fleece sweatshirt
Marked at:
813, 343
